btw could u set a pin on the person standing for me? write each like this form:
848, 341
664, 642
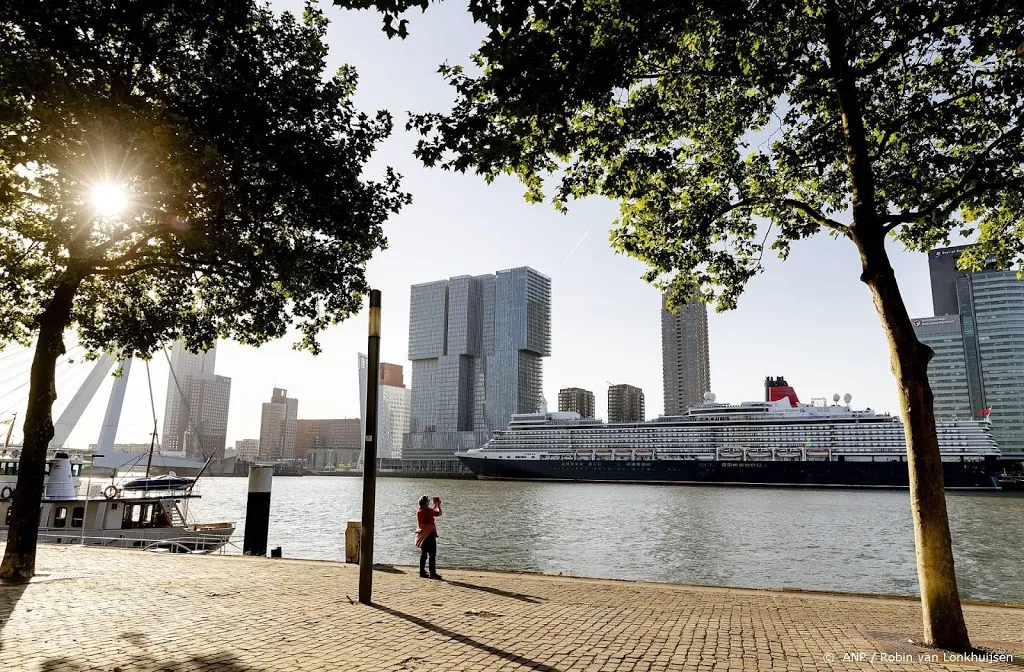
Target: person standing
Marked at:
426, 535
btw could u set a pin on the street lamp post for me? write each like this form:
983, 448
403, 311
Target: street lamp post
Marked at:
88, 484
370, 453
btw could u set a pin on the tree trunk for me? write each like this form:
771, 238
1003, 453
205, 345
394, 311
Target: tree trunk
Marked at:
944, 624
19, 562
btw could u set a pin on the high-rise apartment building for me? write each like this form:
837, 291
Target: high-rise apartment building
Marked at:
625, 404
278, 427
394, 408
327, 433
685, 356
477, 345
576, 400
978, 338
196, 407
247, 450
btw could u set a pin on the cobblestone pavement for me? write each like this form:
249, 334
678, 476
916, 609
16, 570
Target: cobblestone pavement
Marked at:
122, 611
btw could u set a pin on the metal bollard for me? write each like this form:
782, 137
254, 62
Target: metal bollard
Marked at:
352, 541
257, 511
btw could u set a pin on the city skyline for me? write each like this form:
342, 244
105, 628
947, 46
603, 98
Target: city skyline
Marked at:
825, 336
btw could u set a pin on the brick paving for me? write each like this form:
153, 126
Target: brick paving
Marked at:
122, 611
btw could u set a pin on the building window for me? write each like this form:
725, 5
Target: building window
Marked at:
77, 516
60, 518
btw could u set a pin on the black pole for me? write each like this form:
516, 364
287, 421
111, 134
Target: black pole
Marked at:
257, 511
370, 453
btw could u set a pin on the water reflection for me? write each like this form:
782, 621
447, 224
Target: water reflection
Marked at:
859, 541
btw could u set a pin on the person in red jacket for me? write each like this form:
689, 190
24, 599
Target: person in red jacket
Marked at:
426, 536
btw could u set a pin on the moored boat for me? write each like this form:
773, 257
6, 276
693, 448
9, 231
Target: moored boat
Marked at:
147, 517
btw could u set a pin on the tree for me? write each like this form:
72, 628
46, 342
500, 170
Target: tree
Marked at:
173, 169
726, 127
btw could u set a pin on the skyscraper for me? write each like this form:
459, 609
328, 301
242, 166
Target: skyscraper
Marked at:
476, 345
394, 408
576, 400
685, 357
278, 427
979, 326
196, 407
625, 404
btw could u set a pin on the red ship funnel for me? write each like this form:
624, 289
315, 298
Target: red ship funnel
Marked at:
777, 388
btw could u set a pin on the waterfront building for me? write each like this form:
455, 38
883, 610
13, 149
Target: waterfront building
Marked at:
247, 450
196, 407
330, 458
978, 338
625, 404
685, 355
345, 433
477, 345
576, 400
394, 408
278, 426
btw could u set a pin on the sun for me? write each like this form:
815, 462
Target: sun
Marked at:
108, 198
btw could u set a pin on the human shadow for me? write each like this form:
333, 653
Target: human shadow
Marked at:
10, 593
522, 597
469, 641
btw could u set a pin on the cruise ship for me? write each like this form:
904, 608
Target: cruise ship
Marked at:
776, 442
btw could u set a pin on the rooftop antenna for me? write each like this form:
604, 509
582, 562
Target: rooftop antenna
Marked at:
847, 398
835, 399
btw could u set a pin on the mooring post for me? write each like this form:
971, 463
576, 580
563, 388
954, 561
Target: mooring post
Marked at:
370, 453
257, 511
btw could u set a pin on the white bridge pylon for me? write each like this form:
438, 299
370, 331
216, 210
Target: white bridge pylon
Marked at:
83, 397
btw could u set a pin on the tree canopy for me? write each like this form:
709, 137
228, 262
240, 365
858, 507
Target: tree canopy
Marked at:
240, 160
700, 118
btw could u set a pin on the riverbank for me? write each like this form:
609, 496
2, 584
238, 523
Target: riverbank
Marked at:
130, 610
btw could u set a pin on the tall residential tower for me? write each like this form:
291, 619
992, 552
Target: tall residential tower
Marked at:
685, 357
476, 345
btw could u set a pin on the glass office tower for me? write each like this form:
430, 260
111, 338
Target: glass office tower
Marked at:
476, 344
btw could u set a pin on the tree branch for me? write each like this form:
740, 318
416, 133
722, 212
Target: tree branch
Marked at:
956, 194
809, 211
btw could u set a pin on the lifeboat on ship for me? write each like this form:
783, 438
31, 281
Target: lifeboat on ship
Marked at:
817, 452
759, 453
623, 452
584, 454
788, 452
645, 454
602, 453
731, 453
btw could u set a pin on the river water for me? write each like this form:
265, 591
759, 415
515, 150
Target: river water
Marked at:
844, 540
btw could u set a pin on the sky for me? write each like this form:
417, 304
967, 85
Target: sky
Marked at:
809, 319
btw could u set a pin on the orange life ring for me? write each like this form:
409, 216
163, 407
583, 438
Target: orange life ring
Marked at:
7, 492
110, 492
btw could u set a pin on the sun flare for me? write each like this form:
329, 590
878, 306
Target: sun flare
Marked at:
108, 198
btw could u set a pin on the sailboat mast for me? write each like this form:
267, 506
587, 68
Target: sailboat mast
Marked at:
152, 405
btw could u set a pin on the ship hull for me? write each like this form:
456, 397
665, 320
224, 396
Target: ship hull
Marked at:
972, 475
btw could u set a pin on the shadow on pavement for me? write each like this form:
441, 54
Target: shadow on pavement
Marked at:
141, 659
10, 593
497, 591
387, 569
469, 641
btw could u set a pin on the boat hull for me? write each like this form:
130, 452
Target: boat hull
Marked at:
974, 475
